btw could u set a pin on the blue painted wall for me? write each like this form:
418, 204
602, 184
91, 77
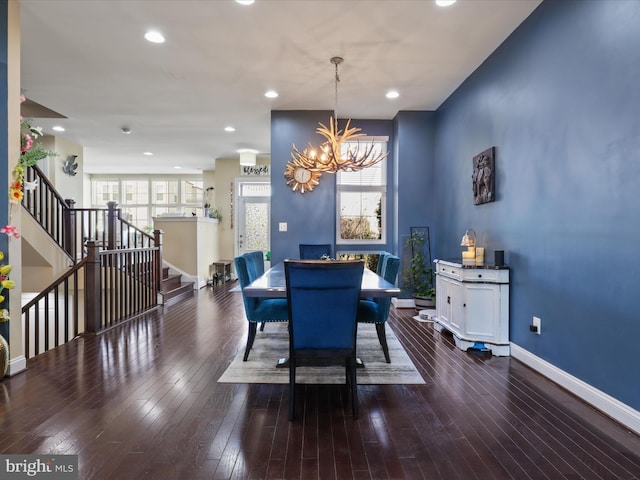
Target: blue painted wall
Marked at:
4, 146
560, 100
413, 181
4, 149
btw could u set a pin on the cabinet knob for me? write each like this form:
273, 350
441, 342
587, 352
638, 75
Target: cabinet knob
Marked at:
464, 304
448, 299
479, 275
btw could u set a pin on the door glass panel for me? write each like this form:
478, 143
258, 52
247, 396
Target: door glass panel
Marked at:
256, 229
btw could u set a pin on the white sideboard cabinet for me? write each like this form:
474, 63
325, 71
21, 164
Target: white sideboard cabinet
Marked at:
473, 304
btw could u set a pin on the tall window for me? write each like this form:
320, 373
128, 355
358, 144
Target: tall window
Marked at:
361, 200
105, 191
141, 199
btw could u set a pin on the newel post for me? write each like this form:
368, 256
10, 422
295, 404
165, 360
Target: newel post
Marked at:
92, 288
157, 240
69, 228
112, 216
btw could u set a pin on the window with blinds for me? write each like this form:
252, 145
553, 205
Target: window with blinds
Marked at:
361, 201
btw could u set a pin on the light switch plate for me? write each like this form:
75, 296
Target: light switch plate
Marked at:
282, 227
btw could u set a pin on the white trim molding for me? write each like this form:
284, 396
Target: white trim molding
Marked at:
403, 302
17, 365
617, 410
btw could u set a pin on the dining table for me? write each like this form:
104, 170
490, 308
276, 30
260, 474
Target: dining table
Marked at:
272, 284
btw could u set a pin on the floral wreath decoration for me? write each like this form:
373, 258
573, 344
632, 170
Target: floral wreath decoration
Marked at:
30, 153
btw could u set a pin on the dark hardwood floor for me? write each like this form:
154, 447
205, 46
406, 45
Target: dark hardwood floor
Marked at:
142, 402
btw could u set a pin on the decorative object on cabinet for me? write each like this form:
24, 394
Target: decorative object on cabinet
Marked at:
473, 304
207, 201
330, 157
418, 274
484, 177
469, 241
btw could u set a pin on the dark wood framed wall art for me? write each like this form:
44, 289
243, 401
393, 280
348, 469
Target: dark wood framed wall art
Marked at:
483, 177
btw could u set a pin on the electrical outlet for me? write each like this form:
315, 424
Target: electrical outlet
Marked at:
282, 227
537, 324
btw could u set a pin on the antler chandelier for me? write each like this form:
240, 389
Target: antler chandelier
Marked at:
331, 157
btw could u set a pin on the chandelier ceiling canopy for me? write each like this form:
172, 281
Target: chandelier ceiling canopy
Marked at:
331, 156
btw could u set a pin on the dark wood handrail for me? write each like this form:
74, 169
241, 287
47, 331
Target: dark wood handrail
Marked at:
46, 205
56, 283
71, 228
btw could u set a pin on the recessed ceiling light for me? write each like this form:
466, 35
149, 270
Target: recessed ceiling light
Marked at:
445, 3
147, 153
245, 2
154, 36
271, 94
229, 129
125, 130
177, 167
58, 128
392, 94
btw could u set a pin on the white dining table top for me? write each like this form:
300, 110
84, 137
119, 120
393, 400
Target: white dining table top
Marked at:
272, 284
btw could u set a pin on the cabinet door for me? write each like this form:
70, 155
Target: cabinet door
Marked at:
448, 306
482, 311
443, 300
457, 315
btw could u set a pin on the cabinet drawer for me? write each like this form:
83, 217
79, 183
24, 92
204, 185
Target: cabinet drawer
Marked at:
449, 271
458, 272
480, 275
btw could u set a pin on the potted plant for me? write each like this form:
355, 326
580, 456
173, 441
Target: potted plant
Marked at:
215, 214
418, 275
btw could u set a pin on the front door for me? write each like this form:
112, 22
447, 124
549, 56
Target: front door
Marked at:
253, 232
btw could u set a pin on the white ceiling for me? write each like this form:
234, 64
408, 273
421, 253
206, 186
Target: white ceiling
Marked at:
88, 60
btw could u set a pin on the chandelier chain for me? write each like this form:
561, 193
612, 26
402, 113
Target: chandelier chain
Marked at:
335, 108
336, 61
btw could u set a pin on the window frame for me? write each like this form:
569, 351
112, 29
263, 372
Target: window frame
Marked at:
180, 207
382, 189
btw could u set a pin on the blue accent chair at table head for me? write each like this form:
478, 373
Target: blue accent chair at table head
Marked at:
381, 256
314, 251
323, 303
376, 310
250, 266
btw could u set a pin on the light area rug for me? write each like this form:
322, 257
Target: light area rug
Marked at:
273, 343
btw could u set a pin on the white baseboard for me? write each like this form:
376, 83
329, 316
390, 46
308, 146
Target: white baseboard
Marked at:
617, 410
17, 365
403, 302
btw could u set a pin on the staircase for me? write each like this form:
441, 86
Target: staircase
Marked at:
173, 289
93, 269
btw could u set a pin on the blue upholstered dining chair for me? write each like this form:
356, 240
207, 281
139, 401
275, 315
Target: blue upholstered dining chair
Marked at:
323, 303
376, 310
256, 263
314, 251
250, 266
381, 256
